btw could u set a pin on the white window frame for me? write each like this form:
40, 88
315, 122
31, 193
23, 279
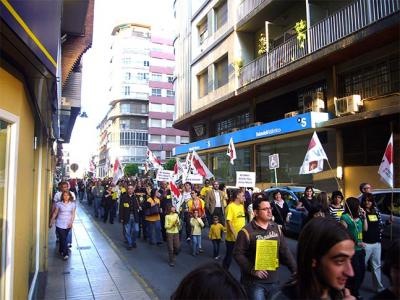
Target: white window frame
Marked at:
10, 192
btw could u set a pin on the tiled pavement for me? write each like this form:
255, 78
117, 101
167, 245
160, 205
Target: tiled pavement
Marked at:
94, 269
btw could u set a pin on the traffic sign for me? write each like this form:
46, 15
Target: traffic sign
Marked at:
274, 161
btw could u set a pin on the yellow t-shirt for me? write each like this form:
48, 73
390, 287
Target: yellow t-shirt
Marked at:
156, 217
204, 190
235, 214
215, 232
172, 223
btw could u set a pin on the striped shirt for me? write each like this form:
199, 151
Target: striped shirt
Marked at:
336, 212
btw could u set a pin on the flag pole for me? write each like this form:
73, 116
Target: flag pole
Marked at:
337, 181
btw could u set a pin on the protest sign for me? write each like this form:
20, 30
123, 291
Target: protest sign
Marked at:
245, 179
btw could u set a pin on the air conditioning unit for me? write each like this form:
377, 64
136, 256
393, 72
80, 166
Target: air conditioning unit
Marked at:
347, 105
291, 114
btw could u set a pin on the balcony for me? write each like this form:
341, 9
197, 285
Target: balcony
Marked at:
340, 24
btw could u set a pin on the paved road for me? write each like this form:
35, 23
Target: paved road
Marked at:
150, 262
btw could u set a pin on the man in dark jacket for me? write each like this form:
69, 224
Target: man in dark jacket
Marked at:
259, 249
129, 214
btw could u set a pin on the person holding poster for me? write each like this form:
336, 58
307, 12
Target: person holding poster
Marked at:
259, 249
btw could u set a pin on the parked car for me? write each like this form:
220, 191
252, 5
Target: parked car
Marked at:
292, 195
383, 200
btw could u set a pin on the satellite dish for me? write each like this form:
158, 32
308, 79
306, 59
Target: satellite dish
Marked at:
74, 167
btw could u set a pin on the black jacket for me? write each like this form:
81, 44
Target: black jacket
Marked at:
127, 205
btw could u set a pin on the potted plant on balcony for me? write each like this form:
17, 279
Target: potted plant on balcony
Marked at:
237, 65
262, 44
301, 28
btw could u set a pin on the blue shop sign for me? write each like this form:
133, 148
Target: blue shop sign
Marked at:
284, 126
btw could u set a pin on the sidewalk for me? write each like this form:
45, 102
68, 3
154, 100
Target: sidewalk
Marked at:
94, 269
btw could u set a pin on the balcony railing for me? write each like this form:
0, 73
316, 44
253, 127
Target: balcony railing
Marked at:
246, 7
342, 23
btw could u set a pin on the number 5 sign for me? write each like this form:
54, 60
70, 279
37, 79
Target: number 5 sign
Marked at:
274, 161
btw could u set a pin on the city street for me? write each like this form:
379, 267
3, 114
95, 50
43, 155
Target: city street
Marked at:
150, 262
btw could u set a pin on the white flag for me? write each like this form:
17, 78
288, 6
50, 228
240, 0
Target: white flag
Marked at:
314, 160
386, 167
153, 159
199, 166
118, 172
231, 151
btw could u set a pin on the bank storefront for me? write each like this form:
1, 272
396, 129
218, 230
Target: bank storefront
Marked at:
288, 137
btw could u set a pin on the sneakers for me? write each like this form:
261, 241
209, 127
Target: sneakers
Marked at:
201, 250
188, 239
66, 257
171, 264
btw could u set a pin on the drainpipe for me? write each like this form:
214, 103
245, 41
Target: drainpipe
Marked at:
308, 26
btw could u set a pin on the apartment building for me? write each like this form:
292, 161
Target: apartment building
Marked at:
269, 73
141, 98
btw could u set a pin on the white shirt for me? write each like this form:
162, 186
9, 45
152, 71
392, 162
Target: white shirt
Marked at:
65, 214
217, 198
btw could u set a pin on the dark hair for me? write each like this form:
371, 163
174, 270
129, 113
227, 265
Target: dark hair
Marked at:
168, 208
323, 201
362, 185
352, 207
392, 259
309, 187
368, 196
235, 194
221, 186
153, 193
210, 281
69, 194
257, 195
275, 193
336, 194
257, 201
315, 240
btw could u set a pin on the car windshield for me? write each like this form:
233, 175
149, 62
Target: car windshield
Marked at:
384, 202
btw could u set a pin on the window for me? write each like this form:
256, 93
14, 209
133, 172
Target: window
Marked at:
221, 15
155, 107
375, 79
239, 121
170, 139
143, 108
203, 32
142, 76
221, 72
169, 123
126, 60
134, 123
155, 123
125, 108
203, 83
184, 139
170, 93
156, 77
156, 92
128, 76
155, 138
168, 154
132, 138
126, 90
146, 63
169, 108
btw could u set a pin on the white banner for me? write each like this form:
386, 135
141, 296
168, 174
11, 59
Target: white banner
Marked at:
164, 175
195, 179
245, 179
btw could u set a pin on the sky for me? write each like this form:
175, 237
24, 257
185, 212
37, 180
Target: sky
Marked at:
94, 102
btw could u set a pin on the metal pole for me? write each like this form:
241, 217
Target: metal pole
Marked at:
308, 26
276, 178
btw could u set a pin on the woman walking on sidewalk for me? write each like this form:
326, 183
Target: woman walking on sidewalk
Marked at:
63, 216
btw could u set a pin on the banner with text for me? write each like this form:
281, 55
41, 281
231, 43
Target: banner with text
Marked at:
164, 175
195, 179
245, 179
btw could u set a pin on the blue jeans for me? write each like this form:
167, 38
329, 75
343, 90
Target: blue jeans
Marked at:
130, 231
98, 209
154, 231
259, 290
63, 246
228, 254
196, 244
69, 236
216, 247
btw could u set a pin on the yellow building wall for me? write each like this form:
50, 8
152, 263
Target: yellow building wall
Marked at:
353, 176
13, 99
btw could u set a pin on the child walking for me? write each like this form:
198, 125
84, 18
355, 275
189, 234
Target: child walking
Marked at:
215, 235
197, 224
172, 225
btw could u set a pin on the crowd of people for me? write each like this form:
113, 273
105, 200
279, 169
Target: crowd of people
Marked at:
339, 240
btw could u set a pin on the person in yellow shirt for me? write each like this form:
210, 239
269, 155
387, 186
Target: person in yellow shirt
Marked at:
197, 225
205, 189
215, 235
152, 217
172, 225
235, 221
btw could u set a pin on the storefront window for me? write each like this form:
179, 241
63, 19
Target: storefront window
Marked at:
291, 155
225, 172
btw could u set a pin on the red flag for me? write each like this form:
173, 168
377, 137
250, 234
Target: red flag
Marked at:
386, 166
200, 166
153, 159
118, 172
